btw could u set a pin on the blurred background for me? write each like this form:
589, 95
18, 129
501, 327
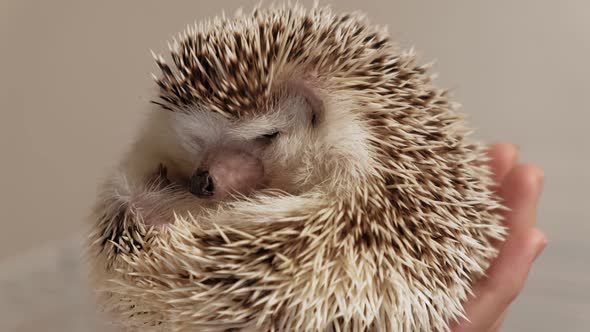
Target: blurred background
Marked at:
75, 81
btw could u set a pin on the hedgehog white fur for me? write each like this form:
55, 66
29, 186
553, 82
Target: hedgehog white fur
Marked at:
375, 212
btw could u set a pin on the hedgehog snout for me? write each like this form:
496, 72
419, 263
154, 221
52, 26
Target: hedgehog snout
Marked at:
227, 172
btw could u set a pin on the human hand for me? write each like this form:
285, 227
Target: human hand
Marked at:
520, 187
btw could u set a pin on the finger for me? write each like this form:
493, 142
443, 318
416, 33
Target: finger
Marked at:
520, 190
503, 157
531, 243
505, 279
499, 321
520, 193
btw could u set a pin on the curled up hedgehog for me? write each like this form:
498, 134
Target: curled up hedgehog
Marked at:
300, 173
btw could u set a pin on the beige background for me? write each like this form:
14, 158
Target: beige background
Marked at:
74, 81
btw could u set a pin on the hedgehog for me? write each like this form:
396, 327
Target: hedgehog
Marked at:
299, 171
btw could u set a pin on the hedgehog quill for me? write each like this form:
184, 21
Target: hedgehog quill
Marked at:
300, 173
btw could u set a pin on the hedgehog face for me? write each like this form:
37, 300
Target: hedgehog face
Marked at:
220, 156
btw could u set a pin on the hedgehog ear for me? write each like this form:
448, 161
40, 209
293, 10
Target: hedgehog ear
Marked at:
300, 90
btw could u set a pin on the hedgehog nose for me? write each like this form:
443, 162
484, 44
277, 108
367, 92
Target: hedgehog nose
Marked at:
201, 184
227, 172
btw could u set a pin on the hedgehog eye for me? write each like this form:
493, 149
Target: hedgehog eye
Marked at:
269, 137
272, 135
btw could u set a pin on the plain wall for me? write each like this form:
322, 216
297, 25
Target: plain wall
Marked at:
75, 81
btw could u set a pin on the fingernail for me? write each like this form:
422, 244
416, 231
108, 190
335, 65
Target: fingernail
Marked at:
541, 243
517, 147
516, 152
540, 176
540, 183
